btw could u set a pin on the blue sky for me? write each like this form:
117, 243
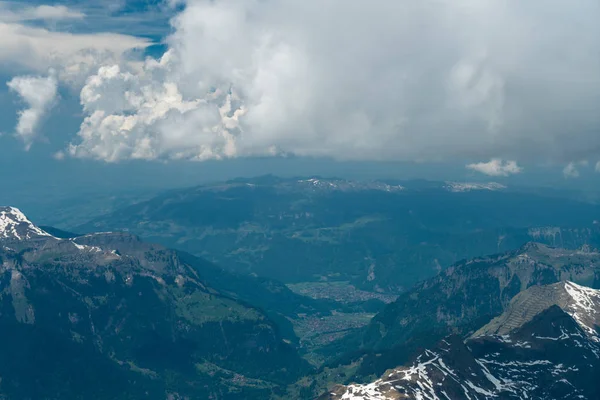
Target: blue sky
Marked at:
248, 85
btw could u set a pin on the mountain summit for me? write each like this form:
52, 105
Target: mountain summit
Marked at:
14, 225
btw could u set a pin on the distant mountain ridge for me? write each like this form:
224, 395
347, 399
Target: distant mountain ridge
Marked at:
379, 236
324, 184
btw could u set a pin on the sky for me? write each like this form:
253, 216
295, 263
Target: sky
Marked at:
115, 94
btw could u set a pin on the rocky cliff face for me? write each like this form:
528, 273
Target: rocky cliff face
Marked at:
470, 293
459, 300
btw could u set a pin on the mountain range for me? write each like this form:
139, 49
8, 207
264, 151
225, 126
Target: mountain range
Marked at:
78, 310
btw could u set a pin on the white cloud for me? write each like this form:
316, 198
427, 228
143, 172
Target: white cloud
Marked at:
74, 56
38, 93
597, 168
46, 12
31, 49
571, 171
132, 116
10, 13
496, 167
383, 79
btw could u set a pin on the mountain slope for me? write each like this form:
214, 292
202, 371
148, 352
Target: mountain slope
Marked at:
459, 300
580, 302
82, 311
472, 292
553, 353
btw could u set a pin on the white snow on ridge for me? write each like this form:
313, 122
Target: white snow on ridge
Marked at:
419, 374
585, 308
458, 187
84, 247
337, 184
14, 224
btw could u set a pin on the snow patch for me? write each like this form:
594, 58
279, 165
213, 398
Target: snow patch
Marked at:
585, 308
84, 247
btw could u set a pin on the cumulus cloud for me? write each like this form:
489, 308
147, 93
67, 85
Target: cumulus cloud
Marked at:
496, 167
571, 170
134, 116
383, 79
38, 94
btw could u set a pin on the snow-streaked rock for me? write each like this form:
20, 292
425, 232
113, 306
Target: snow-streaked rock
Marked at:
321, 184
580, 302
470, 186
14, 225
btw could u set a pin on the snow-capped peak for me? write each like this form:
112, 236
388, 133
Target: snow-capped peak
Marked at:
15, 225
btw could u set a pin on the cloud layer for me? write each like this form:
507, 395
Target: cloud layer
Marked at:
9, 13
28, 43
381, 80
74, 56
